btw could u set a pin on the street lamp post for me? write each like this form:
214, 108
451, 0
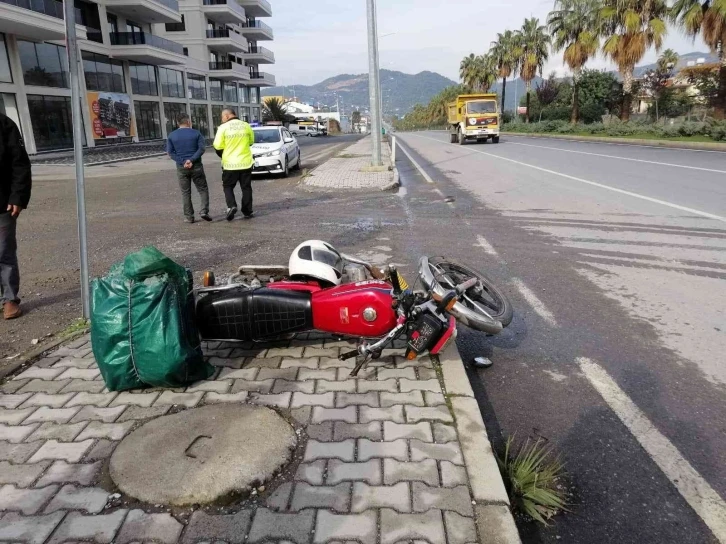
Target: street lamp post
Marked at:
374, 85
69, 13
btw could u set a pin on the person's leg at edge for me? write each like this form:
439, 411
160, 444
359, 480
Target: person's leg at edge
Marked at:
9, 271
185, 184
200, 182
229, 181
246, 183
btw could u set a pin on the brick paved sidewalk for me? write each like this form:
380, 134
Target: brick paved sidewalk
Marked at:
348, 169
383, 462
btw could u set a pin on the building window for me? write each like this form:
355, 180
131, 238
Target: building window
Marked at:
172, 111
197, 87
89, 18
244, 95
112, 23
230, 93
199, 118
103, 73
172, 83
215, 89
185, 50
244, 113
254, 95
44, 64
256, 114
51, 120
148, 120
5, 75
143, 79
216, 117
176, 27
133, 27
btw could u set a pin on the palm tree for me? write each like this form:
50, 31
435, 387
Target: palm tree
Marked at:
575, 28
632, 27
667, 60
708, 18
505, 54
274, 109
534, 52
467, 70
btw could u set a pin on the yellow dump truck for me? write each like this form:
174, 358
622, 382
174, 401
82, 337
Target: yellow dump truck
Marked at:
474, 117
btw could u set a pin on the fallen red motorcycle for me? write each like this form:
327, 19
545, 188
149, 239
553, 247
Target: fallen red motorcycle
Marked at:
324, 290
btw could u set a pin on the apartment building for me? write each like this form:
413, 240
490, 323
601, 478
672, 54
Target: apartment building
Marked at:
143, 63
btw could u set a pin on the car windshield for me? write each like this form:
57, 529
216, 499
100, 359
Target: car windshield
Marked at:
488, 106
267, 136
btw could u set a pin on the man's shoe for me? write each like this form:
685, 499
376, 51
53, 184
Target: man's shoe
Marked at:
189, 220
206, 217
249, 215
231, 212
11, 310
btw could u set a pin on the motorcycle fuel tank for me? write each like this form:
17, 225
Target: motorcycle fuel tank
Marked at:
356, 309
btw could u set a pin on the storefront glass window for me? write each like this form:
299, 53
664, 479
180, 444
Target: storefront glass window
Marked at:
51, 120
5, 74
143, 79
172, 83
199, 118
44, 64
148, 120
197, 87
215, 89
172, 111
103, 73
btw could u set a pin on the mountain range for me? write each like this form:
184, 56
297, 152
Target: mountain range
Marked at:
401, 92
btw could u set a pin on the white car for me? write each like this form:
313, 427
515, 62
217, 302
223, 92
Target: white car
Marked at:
275, 151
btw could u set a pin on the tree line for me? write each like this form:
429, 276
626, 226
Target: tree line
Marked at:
622, 30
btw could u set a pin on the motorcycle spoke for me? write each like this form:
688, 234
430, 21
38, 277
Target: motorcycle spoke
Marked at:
482, 310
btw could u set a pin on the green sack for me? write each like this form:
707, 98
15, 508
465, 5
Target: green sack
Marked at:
142, 324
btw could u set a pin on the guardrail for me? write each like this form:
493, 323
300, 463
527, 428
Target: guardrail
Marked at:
46, 7
258, 24
142, 38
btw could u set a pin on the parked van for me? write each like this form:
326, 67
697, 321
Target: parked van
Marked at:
304, 129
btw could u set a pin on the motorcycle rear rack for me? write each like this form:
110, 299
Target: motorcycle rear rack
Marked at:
267, 270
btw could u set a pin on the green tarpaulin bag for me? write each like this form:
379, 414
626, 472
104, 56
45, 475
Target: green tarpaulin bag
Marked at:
142, 324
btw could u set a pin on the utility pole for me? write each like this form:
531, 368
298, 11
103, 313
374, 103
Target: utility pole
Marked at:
374, 85
69, 13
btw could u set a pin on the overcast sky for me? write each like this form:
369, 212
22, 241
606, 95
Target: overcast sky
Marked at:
316, 39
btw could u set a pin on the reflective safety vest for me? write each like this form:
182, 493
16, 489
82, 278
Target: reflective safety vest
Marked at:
234, 139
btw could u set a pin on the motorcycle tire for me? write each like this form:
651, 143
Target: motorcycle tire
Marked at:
498, 306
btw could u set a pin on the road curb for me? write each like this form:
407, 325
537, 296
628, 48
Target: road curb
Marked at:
494, 520
29, 357
696, 146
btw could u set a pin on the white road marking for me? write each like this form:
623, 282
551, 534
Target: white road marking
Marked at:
670, 165
423, 173
534, 301
593, 183
661, 147
707, 503
486, 246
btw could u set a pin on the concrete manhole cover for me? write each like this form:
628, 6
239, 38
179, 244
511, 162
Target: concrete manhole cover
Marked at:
201, 455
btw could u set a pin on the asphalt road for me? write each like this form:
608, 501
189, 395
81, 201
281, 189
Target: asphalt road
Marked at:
131, 204
614, 259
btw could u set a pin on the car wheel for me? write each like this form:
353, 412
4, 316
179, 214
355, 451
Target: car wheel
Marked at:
298, 164
286, 167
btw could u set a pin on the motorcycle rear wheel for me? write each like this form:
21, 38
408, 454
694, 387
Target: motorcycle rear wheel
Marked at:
484, 298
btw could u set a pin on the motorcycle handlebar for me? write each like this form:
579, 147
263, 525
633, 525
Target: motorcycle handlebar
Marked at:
465, 315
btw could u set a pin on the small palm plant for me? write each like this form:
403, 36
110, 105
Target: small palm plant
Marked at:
532, 477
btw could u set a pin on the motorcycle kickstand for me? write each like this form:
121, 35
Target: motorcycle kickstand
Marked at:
360, 363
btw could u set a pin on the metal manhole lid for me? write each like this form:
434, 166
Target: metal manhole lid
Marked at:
203, 454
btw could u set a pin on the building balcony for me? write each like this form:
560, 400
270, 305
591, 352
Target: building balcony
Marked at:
257, 30
262, 79
37, 20
259, 55
146, 11
146, 48
226, 41
223, 12
228, 71
256, 8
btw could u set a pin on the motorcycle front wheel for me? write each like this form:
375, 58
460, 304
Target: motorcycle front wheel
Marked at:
484, 298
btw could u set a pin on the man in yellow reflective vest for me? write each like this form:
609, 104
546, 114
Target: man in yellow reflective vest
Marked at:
233, 143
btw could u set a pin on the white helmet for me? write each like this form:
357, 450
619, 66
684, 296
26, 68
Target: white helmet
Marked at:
317, 259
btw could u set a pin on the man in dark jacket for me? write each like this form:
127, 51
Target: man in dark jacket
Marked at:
15, 182
186, 146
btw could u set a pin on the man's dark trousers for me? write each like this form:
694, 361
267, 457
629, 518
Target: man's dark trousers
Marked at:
186, 177
9, 273
230, 178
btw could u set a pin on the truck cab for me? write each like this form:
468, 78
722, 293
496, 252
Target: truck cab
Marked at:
474, 117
